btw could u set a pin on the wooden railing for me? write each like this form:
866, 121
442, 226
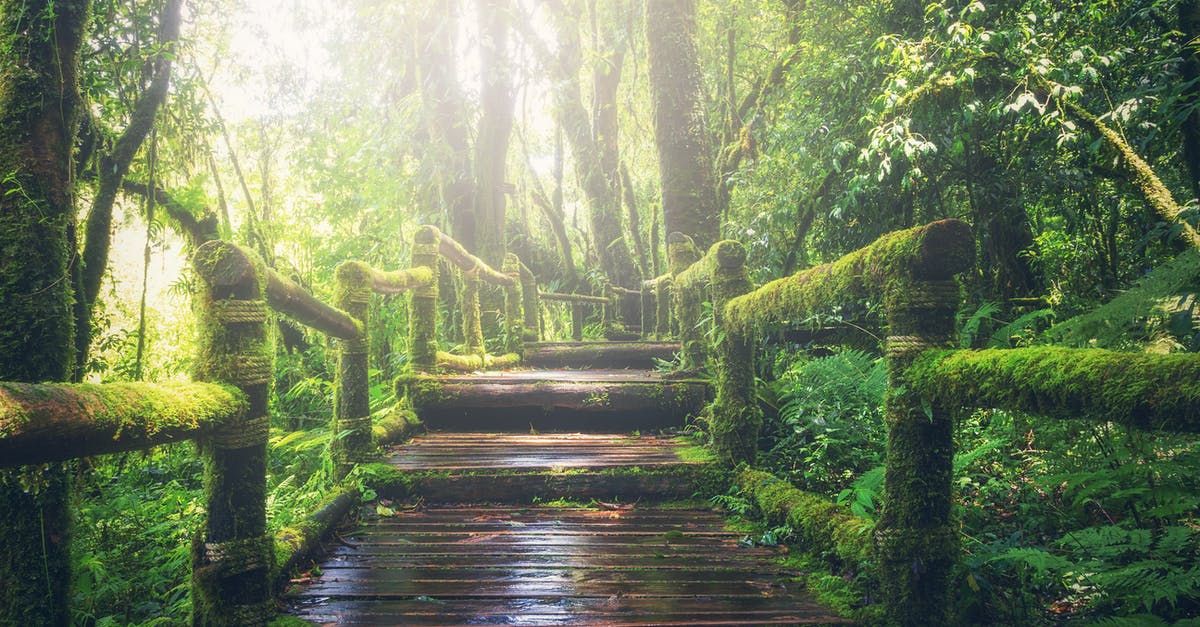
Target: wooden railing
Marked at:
225, 410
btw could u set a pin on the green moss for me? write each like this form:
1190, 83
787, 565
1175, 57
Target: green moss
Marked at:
1136, 389
819, 524
137, 410
936, 251
470, 363
422, 312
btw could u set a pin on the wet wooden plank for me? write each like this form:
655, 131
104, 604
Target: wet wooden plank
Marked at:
472, 565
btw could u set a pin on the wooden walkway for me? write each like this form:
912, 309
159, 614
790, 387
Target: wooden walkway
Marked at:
616, 547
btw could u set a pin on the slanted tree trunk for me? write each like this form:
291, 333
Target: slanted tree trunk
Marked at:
39, 103
113, 168
685, 154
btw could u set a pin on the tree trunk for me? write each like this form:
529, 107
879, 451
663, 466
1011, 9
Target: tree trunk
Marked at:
1189, 25
447, 118
39, 102
589, 146
495, 127
685, 154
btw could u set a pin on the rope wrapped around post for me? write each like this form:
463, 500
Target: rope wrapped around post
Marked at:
231, 557
422, 312
351, 394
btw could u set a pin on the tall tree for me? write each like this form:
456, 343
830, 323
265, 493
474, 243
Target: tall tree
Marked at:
495, 128
39, 103
592, 137
446, 116
685, 153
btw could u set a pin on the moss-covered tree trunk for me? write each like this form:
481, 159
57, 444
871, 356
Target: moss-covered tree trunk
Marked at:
736, 419
231, 558
916, 543
685, 154
39, 100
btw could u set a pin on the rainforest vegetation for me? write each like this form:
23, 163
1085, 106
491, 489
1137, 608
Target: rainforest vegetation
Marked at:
580, 134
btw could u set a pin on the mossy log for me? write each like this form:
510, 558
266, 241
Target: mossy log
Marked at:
456, 254
398, 424
1139, 390
597, 354
291, 300
296, 545
820, 525
936, 251
481, 361
44, 423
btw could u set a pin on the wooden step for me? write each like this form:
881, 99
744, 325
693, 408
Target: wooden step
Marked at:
518, 468
469, 565
635, 355
607, 401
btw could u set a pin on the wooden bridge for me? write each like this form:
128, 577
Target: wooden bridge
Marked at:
547, 496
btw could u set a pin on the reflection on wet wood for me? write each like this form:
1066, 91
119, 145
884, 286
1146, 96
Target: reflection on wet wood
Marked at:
552, 566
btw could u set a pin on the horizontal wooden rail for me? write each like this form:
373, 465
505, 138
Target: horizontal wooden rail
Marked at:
55, 422
456, 254
1143, 391
934, 252
573, 298
288, 298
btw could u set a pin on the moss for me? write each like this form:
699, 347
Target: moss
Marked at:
514, 306
422, 313
470, 363
399, 423
819, 524
1136, 389
936, 251
136, 411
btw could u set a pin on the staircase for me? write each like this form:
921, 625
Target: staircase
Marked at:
546, 497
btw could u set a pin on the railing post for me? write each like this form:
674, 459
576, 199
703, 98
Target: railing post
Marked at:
662, 305
649, 324
514, 307
472, 324
681, 254
231, 558
530, 305
422, 312
352, 405
577, 321
915, 540
736, 418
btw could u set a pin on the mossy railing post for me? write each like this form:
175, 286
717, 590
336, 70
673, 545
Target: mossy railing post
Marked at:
577, 321
472, 325
352, 411
649, 309
916, 543
736, 418
514, 306
662, 305
681, 254
422, 315
530, 305
231, 559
